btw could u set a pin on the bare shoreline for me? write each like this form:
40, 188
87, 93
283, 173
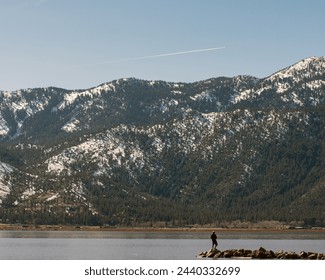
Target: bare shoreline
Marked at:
15, 227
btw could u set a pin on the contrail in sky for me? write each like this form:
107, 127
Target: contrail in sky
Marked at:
161, 55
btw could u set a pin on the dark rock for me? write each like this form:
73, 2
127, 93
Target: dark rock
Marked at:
202, 254
260, 255
218, 255
247, 253
303, 255
212, 253
270, 254
280, 254
291, 256
228, 253
312, 256
261, 249
239, 253
321, 257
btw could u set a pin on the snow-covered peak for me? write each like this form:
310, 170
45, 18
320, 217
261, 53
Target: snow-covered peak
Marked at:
304, 69
307, 74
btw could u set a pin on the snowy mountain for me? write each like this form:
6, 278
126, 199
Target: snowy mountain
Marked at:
135, 152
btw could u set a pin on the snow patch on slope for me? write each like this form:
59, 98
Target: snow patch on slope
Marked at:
71, 97
5, 186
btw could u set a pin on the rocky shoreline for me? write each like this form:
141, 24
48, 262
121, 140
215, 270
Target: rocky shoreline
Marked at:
260, 253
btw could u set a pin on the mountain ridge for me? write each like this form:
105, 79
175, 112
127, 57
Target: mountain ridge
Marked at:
130, 151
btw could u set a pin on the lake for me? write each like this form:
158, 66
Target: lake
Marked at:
132, 245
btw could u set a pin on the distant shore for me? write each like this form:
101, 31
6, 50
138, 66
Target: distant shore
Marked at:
18, 227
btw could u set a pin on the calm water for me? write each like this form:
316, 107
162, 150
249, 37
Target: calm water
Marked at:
52, 245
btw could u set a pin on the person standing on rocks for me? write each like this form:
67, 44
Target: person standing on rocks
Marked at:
214, 240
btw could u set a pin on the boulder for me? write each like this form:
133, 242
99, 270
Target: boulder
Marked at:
239, 253
280, 254
202, 254
303, 255
228, 253
212, 253
261, 249
247, 253
321, 257
270, 254
291, 256
218, 255
260, 255
312, 256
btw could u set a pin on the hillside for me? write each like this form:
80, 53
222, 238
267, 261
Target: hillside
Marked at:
135, 152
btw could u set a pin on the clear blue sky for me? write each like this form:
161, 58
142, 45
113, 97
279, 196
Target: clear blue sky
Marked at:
65, 43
